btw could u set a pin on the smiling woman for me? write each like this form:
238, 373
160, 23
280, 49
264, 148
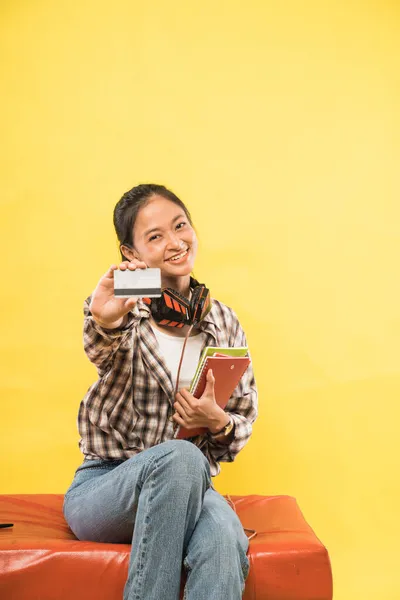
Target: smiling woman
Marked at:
147, 488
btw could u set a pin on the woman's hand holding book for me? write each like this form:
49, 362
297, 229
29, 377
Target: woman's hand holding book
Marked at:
194, 412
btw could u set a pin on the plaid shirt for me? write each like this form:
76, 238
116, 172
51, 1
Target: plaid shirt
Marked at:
128, 408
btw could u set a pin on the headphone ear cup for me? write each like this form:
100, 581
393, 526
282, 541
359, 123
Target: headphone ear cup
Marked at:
174, 310
200, 303
171, 309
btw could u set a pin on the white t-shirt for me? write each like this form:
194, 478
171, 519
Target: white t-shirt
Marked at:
171, 349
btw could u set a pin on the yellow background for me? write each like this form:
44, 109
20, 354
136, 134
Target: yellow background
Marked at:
278, 123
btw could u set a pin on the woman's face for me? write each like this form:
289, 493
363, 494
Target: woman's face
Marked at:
164, 238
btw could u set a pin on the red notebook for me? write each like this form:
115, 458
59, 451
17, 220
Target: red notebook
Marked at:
228, 371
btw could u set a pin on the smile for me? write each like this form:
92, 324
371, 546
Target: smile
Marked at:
178, 256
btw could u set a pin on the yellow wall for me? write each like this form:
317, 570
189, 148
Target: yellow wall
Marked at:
279, 124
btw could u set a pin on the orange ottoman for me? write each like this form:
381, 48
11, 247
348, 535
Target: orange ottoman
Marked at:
41, 559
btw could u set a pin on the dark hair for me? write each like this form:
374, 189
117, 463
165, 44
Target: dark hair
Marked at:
127, 209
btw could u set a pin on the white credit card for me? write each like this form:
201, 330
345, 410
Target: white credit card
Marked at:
141, 283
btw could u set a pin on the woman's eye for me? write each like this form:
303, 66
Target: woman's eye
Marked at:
180, 225
153, 237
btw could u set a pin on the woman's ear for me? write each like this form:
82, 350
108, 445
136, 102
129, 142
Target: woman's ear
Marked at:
129, 252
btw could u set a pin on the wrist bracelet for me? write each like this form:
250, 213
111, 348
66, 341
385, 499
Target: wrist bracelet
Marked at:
225, 431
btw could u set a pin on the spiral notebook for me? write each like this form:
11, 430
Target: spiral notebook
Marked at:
227, 371
212, 351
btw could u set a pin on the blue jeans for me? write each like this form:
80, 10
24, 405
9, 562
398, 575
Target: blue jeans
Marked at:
162, 502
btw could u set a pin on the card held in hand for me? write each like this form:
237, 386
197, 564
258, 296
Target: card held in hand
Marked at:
141, 283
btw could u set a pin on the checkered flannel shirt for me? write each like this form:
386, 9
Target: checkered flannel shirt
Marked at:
128, 408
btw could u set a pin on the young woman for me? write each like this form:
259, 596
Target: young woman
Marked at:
137, 484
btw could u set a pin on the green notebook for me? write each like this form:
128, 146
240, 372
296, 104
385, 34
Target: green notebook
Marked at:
210, 351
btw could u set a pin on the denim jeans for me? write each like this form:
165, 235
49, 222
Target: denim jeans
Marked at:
162, 501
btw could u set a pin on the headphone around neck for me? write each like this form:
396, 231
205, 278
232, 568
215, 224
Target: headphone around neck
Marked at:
174, 310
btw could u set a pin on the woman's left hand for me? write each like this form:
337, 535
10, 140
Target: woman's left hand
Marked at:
194, 412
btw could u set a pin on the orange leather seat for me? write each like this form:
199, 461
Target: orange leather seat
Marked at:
41, 559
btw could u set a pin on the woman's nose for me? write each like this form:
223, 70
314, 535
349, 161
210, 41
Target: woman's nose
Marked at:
174, 241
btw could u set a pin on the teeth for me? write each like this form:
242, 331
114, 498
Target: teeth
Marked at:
179, 256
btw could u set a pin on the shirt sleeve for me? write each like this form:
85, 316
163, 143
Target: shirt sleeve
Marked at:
242, 407
101, 344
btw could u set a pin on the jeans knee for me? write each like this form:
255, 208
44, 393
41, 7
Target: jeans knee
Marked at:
186, 451
187, 458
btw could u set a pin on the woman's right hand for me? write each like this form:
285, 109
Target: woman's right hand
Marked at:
108, 310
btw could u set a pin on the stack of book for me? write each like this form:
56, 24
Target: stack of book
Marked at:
228, 366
